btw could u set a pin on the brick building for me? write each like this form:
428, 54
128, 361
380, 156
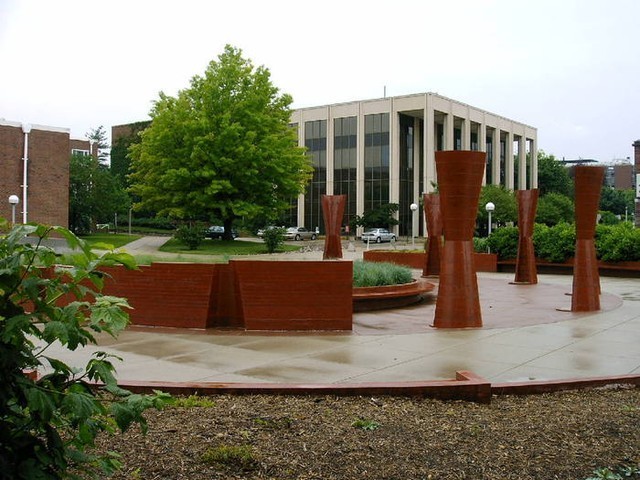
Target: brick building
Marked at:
34, 166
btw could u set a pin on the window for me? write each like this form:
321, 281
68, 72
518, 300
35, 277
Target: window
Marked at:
315, 139
376, 160
345, 133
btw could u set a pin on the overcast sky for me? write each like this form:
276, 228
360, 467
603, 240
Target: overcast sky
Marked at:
570, 68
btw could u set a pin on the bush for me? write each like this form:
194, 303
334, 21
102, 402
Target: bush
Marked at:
504, 242
190, 235
273, 238
618, 243
49, 424
480, 244
378, 274
555, 244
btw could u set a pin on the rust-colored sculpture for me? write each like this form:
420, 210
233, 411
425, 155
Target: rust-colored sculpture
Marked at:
459, 180
332, 211
585, 295
433, 217
526, 272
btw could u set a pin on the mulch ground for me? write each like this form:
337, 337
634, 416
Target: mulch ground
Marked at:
553, 436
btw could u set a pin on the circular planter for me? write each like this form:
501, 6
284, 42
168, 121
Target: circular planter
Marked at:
390, 296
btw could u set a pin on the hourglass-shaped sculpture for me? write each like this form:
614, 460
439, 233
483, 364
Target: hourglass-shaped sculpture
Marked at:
332, 211
433, 217
585, 294
459, 182
526, 272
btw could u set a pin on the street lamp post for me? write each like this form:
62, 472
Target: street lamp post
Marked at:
489, 207
13, 200
413, 208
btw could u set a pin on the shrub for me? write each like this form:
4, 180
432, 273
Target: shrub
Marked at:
480, 244
504, 242
190, 235
273, 238
48, 424
161, 223
555, 244
377, 274
618, 243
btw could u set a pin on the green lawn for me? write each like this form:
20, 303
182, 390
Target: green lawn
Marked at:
223, 247
115, 239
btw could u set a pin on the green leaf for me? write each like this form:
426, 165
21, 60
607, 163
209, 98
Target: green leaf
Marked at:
40, 401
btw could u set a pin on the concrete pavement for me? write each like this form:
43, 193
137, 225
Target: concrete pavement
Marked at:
525, 338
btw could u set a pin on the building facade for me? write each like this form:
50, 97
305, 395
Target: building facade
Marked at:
383, 151
34, 166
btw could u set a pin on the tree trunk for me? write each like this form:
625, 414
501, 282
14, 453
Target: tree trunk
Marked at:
228, 229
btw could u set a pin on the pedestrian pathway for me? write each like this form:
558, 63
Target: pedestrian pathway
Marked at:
524, 338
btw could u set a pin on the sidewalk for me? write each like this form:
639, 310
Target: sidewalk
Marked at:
524, 338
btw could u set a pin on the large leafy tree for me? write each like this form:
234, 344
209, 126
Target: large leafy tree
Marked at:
221, 149
617, 201
95, 195
98, 137
553, 176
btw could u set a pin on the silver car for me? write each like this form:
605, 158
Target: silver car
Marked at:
378, 235
299, 233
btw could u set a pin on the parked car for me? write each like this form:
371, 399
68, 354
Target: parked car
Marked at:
299, 233
378, 235
268, 227
217, 232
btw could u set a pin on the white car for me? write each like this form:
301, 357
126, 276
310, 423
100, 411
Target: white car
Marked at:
378, 235
299, 233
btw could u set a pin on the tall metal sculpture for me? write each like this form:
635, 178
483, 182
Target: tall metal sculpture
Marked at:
332, 212
526, 272
585, 296
433, 217
459, 181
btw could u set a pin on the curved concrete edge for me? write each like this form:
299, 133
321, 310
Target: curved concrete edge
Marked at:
466, 386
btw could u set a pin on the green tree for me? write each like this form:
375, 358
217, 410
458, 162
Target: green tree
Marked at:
505, 202
95, 196
120, 161
382, 216
221, 149
49, 423
553, 176
554, 208
98, 137
617, 201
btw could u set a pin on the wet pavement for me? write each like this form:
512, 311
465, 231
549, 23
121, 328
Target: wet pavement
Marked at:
526, 336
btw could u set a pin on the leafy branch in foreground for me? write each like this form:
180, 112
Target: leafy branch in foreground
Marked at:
48, 424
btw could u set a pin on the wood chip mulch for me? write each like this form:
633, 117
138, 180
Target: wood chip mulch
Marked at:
563, 435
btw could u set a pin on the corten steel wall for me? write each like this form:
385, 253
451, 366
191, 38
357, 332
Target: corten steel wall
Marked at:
332, 212
460, 180
585, 294
526, 260
434, 228
295, 295
165, 294
47, 174
255, 295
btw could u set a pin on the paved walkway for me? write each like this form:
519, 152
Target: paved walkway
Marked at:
525, 337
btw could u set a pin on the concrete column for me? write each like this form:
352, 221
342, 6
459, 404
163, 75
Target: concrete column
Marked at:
533, 151
429, 145
330, 152
636, 152
394, 152
508, 164
522, 163
482, 146
466, 134
495, 139
448, 131
360, 163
